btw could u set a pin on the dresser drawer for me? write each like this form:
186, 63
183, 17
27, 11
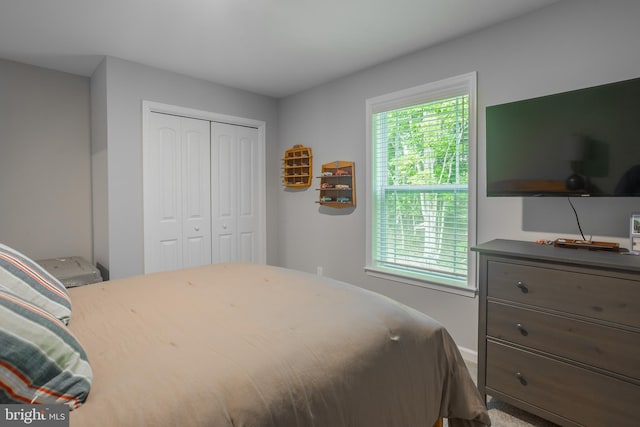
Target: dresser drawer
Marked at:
578, 394
605, 347
585, 292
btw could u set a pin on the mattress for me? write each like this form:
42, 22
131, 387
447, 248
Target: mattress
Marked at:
253, 345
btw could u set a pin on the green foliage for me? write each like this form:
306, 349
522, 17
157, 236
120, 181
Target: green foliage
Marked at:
427, 144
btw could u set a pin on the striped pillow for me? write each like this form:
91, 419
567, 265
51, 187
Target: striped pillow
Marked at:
25, 278
41, 362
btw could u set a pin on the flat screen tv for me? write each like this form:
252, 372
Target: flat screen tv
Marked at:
580, 143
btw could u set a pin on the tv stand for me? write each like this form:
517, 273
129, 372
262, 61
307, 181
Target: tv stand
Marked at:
586, 244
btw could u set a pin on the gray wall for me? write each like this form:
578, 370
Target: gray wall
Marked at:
569, 45
120, 87
45, 177
99, 182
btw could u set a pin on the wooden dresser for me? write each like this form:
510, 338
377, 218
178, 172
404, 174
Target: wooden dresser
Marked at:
559, 332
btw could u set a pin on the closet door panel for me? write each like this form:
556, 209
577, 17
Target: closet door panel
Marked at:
168, 192
163, 207
169, 255
224, 247
248, 195
223, 159
177, 201
224, 194
197, 193
247, 247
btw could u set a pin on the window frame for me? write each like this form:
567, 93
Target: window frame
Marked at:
429, 92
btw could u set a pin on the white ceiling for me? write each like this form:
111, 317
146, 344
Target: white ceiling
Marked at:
271, 47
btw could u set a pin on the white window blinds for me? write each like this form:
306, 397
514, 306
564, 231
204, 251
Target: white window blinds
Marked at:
420, 190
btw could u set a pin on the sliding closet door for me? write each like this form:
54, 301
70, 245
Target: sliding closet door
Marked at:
235, 193
177, 193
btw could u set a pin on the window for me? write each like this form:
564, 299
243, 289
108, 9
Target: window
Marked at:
421, 175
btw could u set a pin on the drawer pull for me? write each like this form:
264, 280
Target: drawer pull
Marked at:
521, 378
522, 287
522, 329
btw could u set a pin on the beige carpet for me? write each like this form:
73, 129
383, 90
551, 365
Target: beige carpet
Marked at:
505, 415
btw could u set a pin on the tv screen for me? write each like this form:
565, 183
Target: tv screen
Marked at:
580, 143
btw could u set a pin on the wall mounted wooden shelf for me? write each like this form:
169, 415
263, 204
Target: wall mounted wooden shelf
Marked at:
297, 167
337, 185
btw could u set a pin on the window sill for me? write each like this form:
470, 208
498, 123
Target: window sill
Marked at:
452, 289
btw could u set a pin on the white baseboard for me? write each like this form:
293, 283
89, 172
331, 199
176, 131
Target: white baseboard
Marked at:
468, 355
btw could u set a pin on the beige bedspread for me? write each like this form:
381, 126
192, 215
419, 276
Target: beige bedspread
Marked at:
251, 345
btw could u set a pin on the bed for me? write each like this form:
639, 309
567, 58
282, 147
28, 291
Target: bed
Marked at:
252, 345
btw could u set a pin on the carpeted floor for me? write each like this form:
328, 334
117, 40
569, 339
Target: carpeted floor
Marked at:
505, 415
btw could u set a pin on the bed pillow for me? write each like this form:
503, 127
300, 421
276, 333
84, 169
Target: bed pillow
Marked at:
41, 362
25, 278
